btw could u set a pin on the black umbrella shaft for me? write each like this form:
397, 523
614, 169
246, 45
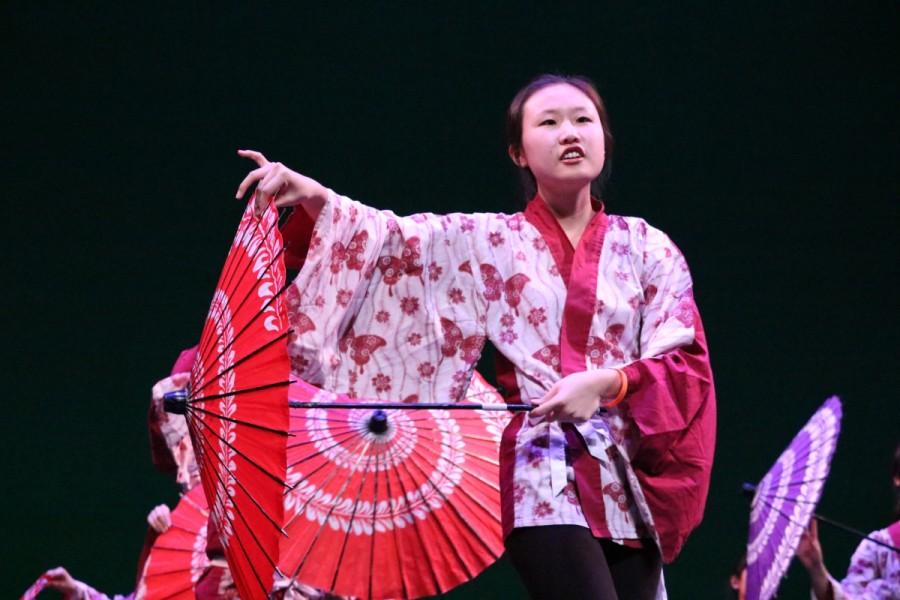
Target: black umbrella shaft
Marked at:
412, 406
856, 532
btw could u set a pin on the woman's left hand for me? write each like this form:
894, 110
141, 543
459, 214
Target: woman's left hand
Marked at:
576, 397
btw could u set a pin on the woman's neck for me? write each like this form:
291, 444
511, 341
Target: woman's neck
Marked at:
573, 211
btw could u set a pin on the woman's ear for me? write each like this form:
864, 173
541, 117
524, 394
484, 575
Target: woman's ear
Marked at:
515, 154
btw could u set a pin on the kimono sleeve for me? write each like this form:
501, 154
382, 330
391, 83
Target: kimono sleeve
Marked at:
671, 397
167, 430
368, 279
867, 577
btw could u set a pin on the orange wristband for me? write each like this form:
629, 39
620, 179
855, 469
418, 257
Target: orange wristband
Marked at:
623, 389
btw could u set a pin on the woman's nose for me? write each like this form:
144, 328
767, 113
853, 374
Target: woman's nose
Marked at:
568, 134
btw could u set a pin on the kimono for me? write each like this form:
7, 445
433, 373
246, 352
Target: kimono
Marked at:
874, 572
170, 444
386, 308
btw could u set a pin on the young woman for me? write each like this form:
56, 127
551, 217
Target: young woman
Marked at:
874, 570
593, 315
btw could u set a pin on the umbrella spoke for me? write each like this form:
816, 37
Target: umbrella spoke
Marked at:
365, 444
250, 355
328, 480
404, 495
253, 499
438, 522
226, 278
252, 322
343, 435
221, 417
236, 537
349, 435
463, 491
229, 286
250, 390
356, 504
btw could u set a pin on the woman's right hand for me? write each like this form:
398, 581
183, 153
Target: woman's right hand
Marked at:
274, 181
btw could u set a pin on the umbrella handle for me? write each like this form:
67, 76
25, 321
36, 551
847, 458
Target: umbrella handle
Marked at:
175, 402
748, 490
414, 405
853, 531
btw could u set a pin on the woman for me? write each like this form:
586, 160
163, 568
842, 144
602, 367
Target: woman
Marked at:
874, 570
593, 315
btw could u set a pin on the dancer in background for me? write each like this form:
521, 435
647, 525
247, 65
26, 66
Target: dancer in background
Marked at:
594, 317
158, 520
874, 571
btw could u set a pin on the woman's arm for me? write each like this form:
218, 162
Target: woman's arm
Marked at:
809, 553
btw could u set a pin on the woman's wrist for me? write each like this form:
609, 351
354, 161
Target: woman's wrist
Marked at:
616, 390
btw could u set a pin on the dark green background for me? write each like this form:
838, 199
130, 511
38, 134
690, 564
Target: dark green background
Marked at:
763, 139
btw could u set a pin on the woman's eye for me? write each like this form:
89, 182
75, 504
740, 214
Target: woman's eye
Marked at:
584, 119
548, 122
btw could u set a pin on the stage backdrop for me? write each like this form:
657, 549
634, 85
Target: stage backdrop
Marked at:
762, 140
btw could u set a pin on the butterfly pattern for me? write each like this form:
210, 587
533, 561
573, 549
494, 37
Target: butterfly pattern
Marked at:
468, 347
361, 347
489, 277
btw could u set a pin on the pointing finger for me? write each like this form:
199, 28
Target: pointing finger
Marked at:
255, 156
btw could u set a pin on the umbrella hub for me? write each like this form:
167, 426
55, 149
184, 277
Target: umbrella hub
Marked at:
378, 422
175, 402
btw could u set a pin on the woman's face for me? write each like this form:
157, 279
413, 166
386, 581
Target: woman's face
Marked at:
562, 139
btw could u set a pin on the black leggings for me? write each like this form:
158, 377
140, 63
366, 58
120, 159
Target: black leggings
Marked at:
567, 562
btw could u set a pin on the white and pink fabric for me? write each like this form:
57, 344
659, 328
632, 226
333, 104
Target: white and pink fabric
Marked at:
399, 308
874, 572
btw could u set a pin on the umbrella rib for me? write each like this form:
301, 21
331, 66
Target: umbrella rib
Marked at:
252, 321
330, 478
324, 522
227, 286
343, 434
493, 486
414, 521
356, 503
374, 529
834, 523
238, 481
477, 456
453, 507
346, 435
236, 537
205, 358
227, 275
240, 361
827, 442
438, 521
238, 422
258, 388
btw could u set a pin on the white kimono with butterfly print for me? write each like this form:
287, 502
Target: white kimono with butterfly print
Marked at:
399, 308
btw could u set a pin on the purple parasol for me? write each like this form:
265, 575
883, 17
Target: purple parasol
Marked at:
785, 499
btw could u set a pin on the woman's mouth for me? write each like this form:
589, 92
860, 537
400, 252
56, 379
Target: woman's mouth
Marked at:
572, 155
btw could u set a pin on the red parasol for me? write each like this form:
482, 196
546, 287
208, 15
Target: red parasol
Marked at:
391, 503
236, 403
178, 556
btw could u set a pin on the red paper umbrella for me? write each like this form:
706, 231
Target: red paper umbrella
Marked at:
178, 556
391, 503
236, 403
